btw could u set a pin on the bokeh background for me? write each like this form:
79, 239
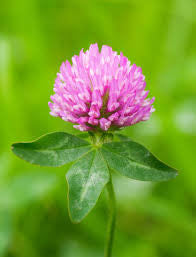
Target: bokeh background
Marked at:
154, 219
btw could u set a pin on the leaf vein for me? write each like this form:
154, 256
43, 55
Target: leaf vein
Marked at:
128, 158
84, 190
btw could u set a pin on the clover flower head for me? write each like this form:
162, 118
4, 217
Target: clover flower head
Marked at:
100, 91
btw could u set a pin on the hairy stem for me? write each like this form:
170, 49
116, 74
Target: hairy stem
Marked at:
112, 219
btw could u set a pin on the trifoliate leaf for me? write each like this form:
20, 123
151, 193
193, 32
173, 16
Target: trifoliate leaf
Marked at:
54, 149
135, 161
86, 179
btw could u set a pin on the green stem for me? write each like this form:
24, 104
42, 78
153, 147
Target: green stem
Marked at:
99, 137
112, 219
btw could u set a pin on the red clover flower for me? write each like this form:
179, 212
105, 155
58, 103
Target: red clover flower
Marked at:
100, 91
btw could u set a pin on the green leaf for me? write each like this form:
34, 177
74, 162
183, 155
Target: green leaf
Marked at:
135, 161
54, 149
86, 179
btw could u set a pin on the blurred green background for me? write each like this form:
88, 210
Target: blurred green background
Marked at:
154, 219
